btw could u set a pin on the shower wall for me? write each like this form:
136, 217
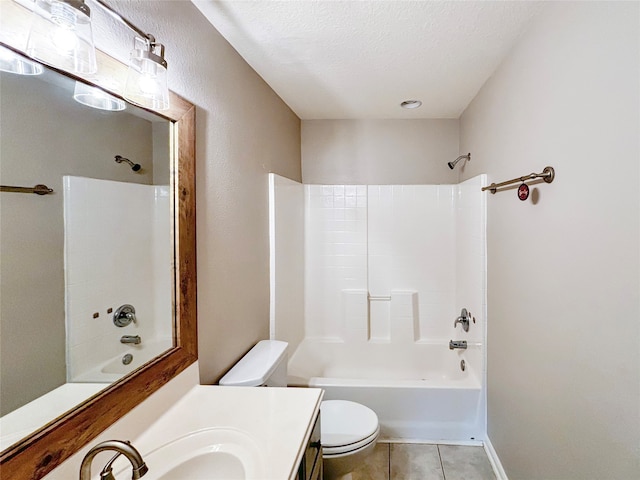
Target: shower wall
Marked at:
393, 263
382, 263
117, 251
286, 257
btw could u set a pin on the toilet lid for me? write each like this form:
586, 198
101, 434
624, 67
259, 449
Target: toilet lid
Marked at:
343, 423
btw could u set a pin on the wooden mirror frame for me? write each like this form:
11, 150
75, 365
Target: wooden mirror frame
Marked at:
38, 454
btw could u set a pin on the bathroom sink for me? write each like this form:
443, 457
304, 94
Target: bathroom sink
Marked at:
210, 454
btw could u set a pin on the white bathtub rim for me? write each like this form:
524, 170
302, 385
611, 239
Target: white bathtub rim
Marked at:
471, 383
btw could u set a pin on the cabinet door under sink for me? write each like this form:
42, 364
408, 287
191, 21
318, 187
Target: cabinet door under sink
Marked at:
311, 464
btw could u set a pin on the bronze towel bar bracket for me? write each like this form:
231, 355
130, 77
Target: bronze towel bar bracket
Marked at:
548, 174
38, 189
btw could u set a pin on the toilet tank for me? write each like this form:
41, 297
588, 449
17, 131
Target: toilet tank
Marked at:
264, 365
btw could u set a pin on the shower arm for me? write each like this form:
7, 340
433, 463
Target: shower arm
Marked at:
453, 164
134, 166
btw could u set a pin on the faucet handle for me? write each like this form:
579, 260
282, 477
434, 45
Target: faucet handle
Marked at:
107, 471
124, 315
464, 319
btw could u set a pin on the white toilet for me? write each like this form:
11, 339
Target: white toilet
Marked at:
348, 430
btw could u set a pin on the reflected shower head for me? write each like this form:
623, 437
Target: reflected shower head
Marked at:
134, 166
453, 164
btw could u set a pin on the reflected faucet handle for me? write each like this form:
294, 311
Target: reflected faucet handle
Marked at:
464, 319
124, 315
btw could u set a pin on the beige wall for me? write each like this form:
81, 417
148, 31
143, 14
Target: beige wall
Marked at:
244, 131
377, 152
563, 270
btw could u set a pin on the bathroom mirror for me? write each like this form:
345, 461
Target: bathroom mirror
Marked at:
110, 234
70, 259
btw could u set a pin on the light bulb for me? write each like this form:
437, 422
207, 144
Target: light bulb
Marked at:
148, 85
61, 35
65, 40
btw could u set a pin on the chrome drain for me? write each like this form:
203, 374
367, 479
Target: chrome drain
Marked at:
463, 365
127, 359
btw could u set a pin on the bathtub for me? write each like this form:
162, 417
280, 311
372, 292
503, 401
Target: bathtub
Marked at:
114, 369
419, 391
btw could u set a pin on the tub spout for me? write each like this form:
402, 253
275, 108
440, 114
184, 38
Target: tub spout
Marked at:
135, 339
457, 344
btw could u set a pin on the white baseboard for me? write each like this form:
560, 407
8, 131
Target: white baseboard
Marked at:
494, 460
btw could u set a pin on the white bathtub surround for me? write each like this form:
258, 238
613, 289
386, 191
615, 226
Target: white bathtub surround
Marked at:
120, 253
355, 304
388, 269
286, 269
279, 420
394, 242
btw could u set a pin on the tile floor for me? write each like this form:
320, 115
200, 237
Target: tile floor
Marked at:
412, 461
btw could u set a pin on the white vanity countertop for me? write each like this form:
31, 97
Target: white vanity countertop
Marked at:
279, 420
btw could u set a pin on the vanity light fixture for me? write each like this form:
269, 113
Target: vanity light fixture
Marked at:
61, 35
147, 76
13, 63
95, 97
146, 83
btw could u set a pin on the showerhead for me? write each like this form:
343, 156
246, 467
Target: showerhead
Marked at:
453, 164
134, 166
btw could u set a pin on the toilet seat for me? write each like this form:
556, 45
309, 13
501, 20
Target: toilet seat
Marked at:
348, 449
346, 426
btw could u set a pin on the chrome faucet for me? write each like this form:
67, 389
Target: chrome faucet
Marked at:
457, 344
463, 319
122, 448
135, 339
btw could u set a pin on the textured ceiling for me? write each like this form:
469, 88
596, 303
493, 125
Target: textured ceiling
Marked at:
360, 59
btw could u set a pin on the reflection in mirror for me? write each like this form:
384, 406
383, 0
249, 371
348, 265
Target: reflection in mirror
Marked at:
70, 259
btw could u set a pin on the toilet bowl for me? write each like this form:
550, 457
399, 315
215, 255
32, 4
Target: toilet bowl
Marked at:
348, 430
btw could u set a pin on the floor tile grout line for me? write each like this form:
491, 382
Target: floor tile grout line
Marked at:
389, 471
444, 475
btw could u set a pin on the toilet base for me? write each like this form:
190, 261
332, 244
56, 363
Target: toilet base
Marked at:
339, 467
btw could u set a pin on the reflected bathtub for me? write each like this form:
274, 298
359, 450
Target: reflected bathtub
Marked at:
115, 368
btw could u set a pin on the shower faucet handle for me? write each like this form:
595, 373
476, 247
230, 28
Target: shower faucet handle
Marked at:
124, 315
464, 319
